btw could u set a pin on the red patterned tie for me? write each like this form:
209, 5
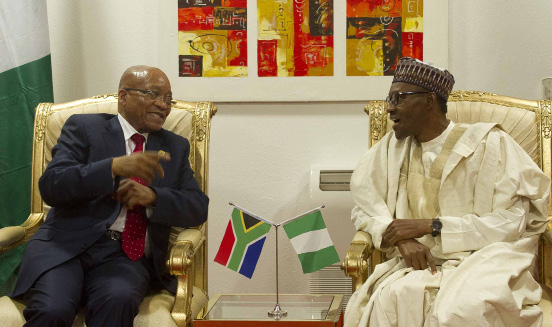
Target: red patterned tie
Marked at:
134, 234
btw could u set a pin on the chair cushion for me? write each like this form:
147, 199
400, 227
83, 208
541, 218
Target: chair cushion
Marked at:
155, 310
519, 123
12, 312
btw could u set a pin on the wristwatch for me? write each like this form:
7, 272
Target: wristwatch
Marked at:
436, 225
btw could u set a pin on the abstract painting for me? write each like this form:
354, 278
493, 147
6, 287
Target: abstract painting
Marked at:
379, 32
212, 38
295, 38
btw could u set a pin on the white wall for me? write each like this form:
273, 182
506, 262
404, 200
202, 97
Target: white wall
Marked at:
501, 46
261, 153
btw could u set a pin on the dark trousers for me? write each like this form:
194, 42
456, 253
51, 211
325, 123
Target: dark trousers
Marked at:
103, 279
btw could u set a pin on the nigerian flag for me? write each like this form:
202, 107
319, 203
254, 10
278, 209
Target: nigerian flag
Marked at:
311, 241
25, 81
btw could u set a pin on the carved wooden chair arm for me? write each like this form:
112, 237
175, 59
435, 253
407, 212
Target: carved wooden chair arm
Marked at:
14, 236
355, 264
547, 235
546, 278
180, 264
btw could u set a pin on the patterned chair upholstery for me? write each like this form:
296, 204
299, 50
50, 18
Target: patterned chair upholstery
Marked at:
528, 122
188, 255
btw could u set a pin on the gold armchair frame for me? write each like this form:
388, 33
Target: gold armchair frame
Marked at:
188, 255
469, 107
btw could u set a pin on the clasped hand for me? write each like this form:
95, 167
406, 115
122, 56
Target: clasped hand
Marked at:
416, 255
141, 165
402, 233
404, 229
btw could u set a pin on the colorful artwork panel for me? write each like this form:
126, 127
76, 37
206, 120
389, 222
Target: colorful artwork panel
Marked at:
379, 32
295, 38
212, 37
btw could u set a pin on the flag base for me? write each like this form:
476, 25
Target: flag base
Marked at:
277, 313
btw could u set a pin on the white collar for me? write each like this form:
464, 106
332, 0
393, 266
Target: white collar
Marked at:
128, 129
439, 139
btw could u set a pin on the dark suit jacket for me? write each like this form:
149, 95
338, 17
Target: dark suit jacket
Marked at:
78, 183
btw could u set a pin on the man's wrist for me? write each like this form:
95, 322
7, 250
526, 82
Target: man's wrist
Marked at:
426, 225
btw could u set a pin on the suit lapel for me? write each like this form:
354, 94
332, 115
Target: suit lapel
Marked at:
114, 138
155, 143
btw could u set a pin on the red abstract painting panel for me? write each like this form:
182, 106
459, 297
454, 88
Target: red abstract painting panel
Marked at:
212, 37
380, 32
301, 31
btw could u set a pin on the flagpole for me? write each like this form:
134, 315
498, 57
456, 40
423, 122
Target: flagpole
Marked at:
252, 215
300, 216
277, 313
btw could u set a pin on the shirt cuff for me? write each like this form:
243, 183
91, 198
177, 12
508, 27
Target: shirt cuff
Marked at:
149, 211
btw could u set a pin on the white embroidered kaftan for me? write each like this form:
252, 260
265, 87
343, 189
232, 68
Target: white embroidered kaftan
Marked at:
493, 205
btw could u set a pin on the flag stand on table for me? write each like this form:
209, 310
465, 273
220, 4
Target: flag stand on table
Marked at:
278, 312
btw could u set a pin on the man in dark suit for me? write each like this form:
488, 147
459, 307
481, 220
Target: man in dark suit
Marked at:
105, 238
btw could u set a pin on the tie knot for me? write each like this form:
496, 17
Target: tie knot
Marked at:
138, 139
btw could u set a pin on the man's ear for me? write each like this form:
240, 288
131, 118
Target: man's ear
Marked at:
122, 96
431, 100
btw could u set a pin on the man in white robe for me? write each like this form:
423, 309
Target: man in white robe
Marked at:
457, 209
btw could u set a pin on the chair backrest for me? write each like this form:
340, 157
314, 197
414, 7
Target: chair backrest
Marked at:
528, 122
191, 120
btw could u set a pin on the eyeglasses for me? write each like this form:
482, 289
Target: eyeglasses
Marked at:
153, 95
394, 98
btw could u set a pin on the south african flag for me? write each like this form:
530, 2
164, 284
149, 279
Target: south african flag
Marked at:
242, 243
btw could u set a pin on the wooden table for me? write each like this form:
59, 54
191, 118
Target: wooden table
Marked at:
251, 310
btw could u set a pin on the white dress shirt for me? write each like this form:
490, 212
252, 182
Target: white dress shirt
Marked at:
432, 148
128, 131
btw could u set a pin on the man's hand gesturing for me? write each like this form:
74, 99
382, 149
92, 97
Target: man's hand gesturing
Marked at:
142, 165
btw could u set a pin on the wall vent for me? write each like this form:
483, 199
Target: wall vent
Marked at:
335, 180
331, 280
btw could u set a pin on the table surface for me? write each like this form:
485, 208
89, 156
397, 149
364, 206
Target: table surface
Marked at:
255, 307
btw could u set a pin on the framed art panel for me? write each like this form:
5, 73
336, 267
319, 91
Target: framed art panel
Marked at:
295, 50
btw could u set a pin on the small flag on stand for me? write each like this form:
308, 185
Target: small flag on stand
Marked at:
311, 241
242, 243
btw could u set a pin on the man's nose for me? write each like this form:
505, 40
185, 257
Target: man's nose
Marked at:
162, 104
390, 108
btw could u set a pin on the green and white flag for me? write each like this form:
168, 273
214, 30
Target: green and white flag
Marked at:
310, 239
25, 81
